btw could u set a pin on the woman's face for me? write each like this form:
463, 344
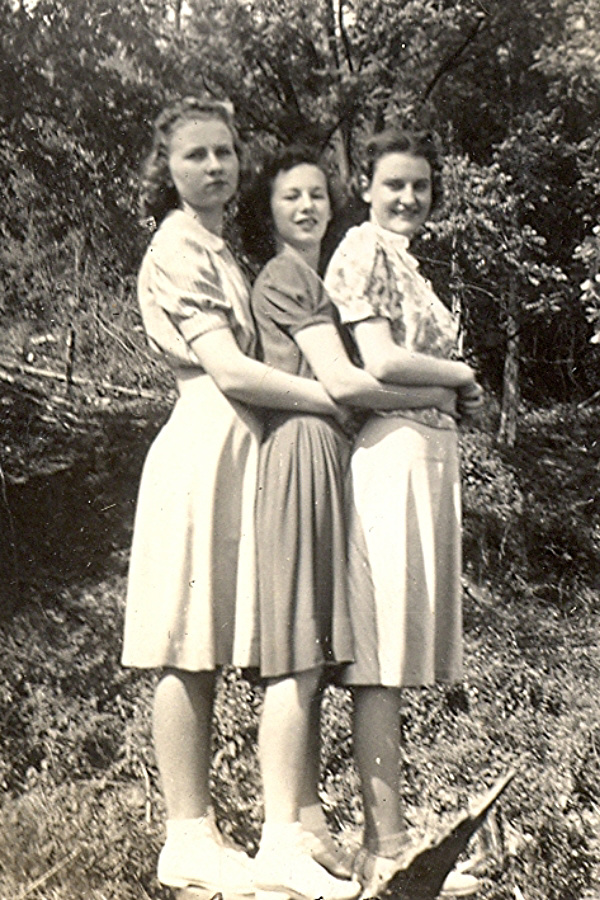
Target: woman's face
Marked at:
300, 206
400, 192
203, 163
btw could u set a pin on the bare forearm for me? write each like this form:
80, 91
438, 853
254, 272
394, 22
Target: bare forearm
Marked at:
275, 389
418, 369
359, 388
389, 362
255, 383
351, 386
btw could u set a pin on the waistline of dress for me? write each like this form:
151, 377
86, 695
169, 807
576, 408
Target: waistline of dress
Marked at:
429, 416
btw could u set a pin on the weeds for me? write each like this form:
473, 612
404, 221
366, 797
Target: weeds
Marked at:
81, 815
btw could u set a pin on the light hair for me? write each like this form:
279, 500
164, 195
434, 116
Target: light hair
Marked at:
158, 195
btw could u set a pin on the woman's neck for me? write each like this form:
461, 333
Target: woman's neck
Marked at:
310, 255
211, 219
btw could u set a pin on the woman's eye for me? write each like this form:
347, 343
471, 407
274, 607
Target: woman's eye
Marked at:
224, 151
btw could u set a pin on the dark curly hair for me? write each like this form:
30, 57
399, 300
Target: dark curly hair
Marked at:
158, 195
414, 143
254, 218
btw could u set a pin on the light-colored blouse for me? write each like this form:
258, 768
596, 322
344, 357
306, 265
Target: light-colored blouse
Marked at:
191, 274
372, 275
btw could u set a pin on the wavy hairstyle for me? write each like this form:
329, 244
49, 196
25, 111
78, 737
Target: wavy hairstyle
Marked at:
158, 195
255, 218
414, 143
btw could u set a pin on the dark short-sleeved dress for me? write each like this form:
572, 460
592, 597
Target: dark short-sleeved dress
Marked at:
404, 513
300, 527
192, 597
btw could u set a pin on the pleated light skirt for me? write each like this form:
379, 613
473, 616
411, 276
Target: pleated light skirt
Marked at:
192, 591
301, 539
404, 555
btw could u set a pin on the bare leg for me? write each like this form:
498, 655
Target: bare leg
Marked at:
283, 743
377, 752
194, 853
183, 704
309, 790
318, 840
285, 865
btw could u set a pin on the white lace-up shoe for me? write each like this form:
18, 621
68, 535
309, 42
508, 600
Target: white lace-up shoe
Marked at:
196, 856
285, 869
325, 851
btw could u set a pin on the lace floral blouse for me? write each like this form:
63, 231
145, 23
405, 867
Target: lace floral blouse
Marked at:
372, 274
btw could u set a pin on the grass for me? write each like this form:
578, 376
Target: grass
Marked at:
81, 814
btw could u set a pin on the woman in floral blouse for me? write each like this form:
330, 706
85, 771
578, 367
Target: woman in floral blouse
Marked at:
405, 518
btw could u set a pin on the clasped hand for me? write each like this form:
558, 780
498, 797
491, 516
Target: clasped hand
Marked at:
470, 399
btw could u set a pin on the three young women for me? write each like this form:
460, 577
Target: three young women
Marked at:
191, 601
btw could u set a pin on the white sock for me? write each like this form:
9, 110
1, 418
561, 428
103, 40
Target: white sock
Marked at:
277, 834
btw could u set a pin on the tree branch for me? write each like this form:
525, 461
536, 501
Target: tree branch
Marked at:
447, 65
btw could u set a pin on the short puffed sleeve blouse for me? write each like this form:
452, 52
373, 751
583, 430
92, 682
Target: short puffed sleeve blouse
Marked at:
191, 274
372, 275
288, 296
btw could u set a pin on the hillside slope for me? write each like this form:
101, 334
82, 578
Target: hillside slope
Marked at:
81, 809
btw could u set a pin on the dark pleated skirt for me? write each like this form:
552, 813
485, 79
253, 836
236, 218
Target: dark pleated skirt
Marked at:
301, 543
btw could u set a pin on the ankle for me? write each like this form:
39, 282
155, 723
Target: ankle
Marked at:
390, 845
312, 818
180, 830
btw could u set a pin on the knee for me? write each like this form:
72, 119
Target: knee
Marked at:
298, 688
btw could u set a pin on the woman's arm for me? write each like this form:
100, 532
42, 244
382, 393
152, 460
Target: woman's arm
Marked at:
385, 360
241, 378
347, 384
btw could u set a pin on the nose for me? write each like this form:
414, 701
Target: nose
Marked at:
306, 200
407, 195
213, 161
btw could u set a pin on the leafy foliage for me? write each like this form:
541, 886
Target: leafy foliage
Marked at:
510, 88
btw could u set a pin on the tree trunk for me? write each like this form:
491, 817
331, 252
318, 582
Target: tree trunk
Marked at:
507, 432
341, 156
456, 295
